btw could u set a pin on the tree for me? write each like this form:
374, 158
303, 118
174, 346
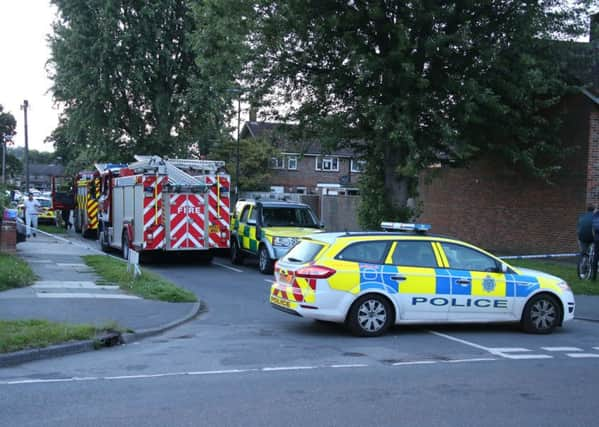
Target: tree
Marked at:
409, 83
8, 126
254, 161
121, 70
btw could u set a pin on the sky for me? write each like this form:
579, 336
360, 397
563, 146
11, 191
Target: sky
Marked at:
24, 26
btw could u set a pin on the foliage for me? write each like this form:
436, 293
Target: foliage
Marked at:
254, 161
14, 272
411, 83
22, 334
148, 285
121, 70
563, 269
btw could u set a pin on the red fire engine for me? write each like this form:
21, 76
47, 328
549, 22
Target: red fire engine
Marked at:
157, 204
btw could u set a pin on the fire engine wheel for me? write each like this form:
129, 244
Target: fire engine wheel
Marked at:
125, 246
265, 264
236, 255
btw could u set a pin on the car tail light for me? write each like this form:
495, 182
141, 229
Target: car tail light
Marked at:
315, 272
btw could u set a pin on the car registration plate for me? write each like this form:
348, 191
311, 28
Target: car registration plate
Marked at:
279, 301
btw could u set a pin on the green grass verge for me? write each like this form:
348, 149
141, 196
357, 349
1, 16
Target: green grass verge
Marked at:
564, 270
148, 285
18, 335
49, 228
14, 272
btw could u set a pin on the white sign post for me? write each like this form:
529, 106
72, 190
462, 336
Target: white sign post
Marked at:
133, 263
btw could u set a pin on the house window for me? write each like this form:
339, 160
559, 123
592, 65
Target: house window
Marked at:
292, 162
358, 166
327, 164
277, 163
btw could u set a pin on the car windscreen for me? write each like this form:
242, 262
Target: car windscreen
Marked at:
288, 217
304, 251
45, 203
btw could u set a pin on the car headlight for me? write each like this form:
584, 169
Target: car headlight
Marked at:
564, 286
283, 241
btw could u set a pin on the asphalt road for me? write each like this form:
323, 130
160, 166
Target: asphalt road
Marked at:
244, 363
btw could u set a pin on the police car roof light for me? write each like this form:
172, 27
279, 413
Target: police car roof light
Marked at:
404, 226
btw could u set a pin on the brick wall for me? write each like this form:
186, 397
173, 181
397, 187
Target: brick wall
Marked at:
592, 189
508, 213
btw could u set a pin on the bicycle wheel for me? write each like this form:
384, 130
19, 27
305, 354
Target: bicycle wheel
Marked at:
583, 268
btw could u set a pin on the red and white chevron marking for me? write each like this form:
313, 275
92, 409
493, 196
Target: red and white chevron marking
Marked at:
218, 211
154, 232
187, 221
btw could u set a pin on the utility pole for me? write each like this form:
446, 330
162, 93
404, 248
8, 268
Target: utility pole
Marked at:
3, 161
24, 107
237, 159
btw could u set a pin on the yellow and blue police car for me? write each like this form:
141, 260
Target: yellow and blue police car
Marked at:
268, 229
372, 280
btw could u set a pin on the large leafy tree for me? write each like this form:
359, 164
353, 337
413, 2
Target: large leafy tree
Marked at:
410, 83
8, 130
121, 69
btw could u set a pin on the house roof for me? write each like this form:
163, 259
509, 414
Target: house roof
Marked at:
278, 134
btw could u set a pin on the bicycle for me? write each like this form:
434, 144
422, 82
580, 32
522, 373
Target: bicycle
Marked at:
584, 267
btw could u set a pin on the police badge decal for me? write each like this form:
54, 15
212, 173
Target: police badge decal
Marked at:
488, 284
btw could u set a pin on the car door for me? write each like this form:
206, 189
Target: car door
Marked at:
478, 287
423, 295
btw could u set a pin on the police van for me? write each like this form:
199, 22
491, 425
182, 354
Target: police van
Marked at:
267, 229
372, 280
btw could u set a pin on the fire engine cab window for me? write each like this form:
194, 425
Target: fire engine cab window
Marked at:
369, 252
464, 258
415, 254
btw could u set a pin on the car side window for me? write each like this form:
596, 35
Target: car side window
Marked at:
414, 254
254, 214
244, 214
463, 258
368, 252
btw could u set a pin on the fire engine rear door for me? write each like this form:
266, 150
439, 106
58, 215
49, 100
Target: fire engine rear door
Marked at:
187, 221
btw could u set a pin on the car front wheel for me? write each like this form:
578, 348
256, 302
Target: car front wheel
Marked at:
370, 316
541, 314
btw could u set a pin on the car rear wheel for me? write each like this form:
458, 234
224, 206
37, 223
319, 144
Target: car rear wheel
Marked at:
541, 314
370, 316
265, 264
236, 255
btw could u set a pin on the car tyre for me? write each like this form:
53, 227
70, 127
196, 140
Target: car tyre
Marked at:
541, 314
370, 316
265, 264
236, 255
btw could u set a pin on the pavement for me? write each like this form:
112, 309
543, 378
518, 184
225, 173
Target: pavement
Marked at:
66, 291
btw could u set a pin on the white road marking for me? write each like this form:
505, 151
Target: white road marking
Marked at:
354, 365
508, 349
288, 368
416, 362
40, 261
63, 284
85, 295
561, 348
226, 371
72, 285
228, 267
461, 341
526, 356
71, 265
583, 355
479, 359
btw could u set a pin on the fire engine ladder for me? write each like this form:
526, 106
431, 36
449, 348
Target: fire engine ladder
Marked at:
176, 175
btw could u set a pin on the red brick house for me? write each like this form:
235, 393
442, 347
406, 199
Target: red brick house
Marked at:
511, 214
306, 168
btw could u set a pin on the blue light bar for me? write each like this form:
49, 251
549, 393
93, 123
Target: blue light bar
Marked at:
405, 226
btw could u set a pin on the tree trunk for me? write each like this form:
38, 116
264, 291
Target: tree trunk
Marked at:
396, 186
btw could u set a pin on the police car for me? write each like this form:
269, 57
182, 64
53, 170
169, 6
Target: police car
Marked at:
267, 229
372, 280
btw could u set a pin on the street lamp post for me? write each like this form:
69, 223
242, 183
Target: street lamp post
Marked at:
237, 157
24, 107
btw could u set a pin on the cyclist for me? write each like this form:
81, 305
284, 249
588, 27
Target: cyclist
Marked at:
595, 228
584, 230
